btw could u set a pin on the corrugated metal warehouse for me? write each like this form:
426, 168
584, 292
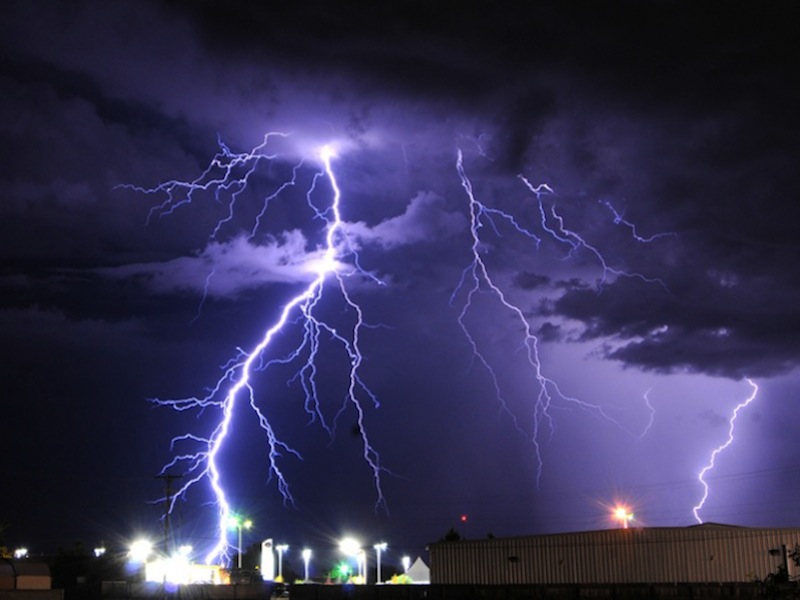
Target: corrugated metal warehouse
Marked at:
701, 554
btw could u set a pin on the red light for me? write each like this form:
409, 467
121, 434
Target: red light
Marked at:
463, 518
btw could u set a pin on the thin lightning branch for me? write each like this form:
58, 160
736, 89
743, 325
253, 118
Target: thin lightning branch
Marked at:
558, 231
620, 220
651, 411
226, 178
712, 460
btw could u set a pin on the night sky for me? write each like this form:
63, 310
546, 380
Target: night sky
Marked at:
658, 276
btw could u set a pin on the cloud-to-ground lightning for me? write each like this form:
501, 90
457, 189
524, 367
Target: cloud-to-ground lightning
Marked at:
226, 178
728, 441
327, 269
476, 277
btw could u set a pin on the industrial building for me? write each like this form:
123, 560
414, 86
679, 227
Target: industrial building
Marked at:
705, 553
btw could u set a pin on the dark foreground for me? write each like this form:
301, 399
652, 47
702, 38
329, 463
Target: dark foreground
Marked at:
693, 591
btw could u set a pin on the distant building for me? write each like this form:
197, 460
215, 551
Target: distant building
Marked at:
24, 575
701, 554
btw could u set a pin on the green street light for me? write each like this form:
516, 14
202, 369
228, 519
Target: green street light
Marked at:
239, 524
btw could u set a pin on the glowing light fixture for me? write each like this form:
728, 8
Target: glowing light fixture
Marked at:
306, 554
239, 524
140, 550
623, 514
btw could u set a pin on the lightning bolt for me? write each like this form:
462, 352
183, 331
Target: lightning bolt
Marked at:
476, 278
651, 413
712, 459
620, 220
227, 177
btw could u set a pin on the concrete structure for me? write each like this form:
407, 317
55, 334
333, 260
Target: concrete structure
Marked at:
700, 554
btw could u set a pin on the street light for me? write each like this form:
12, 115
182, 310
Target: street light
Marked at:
306, 554
406, 563
20, 553
623, 515
378, 549
350, 546
239, 524
140, 550
281, 548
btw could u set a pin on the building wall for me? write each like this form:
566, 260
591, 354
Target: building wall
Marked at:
707, 553
34, 582
24, 575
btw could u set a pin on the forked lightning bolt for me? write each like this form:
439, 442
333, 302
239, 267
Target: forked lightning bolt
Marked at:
226, 178
712, 460
476, 278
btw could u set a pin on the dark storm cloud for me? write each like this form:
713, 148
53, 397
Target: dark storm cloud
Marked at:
530, 281
694, 136
708, 328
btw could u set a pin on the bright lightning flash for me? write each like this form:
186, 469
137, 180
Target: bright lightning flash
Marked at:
711, 462
226, 178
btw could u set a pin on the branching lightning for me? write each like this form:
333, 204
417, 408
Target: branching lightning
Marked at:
712, 459
226, 178
476, 278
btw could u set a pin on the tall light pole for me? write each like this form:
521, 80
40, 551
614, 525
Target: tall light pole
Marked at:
378, 549
306, 554
281, 548
239, 523
361, 558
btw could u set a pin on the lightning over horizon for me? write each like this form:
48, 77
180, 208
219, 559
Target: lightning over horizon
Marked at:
355, 273
222, 178
728, 441
322, 265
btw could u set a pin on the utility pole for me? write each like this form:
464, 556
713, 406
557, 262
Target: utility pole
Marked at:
168, 479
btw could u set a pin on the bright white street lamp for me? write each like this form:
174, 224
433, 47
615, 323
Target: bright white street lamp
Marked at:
306, 554
378, 549
140, 550
281, 548
350, 546
21, 553
406, 563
